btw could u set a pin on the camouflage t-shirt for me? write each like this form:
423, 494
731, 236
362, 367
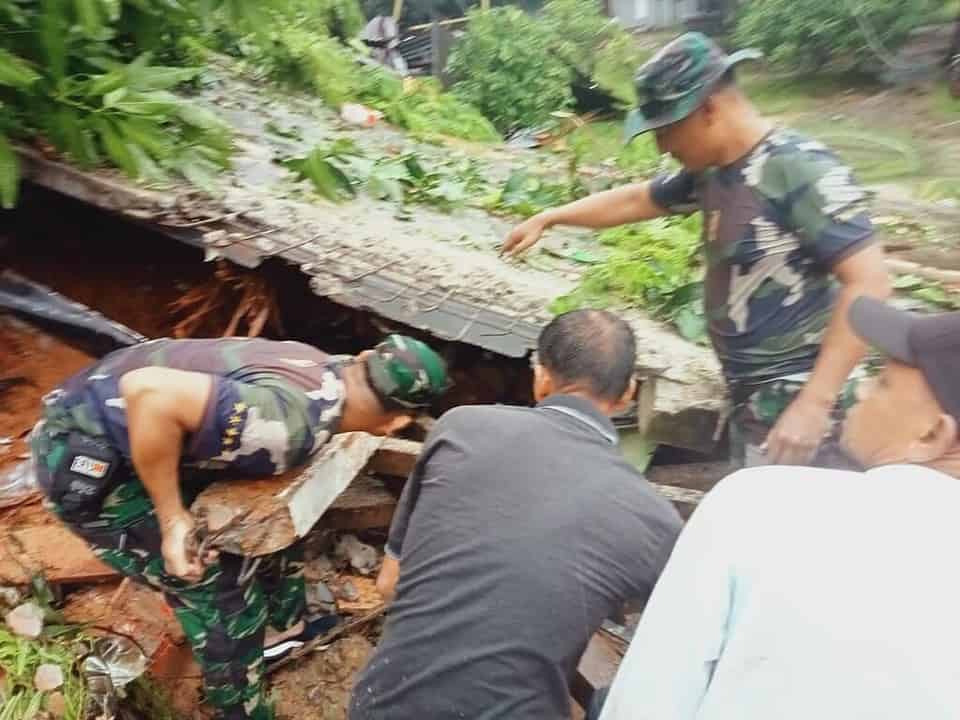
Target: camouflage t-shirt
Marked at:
272, 404
775, 223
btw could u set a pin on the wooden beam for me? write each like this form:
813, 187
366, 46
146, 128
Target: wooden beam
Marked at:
260, 516
395, 457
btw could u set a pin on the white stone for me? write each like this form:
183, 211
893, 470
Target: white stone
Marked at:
48, 677
26, 620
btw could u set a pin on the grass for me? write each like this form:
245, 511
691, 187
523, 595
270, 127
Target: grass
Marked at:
19, 660
876, 155
944, 104
603, 142
793, 94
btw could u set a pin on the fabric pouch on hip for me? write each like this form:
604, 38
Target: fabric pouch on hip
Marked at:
85, 476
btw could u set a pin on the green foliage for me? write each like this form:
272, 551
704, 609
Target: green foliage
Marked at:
576, 28
810, 35
19, 660
342, 18
932, 293
423, 108
504, 65
595, 46
326, 168
602, 142
303, 58
526, 194
73, 72
338, 169
615, 65
654, 265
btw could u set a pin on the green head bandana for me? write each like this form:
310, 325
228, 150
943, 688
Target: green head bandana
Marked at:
407, 372
675, 81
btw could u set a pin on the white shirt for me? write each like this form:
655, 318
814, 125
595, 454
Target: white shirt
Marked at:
805, 594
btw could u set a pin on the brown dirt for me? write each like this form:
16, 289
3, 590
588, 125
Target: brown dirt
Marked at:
43, 361
319, 685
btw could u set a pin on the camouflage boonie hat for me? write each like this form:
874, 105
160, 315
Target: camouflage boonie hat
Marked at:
675, 81
407, 372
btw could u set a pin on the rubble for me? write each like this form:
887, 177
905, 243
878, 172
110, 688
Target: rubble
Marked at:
26, 620
256, 517
363, 558
48, 677
319, 598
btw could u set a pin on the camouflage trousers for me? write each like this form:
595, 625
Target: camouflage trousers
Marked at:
756, 410
224, 615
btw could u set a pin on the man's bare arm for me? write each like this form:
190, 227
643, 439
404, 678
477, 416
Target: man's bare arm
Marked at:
622, 205
163, 405
387, 579
796, 435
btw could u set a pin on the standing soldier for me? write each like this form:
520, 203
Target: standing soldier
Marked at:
126, 445
787, 239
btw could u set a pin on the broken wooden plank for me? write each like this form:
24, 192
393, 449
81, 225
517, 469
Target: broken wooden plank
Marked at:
694, 476
365, 504
260, 516
50, 549
395, 457
598, 666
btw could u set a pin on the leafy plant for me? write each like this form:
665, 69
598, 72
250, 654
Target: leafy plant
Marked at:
577, 28
932, 293
813, 34
326, 167
527, 194
654, 265
338, 169
300, 56
504, 66
420, 106
70, 73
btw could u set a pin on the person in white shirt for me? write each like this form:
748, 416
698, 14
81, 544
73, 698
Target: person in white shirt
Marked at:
806, 593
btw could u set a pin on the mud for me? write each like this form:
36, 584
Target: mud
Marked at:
37, 362
319, 686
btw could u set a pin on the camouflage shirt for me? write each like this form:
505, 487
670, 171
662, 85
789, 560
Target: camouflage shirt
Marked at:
775, 223
271, 406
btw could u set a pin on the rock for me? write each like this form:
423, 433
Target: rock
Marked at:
10, 597
363, 558
320, 599
26, 620
48, 677
56, 705
348, 591
318, 568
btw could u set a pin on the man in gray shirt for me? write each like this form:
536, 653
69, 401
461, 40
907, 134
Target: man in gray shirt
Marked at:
519, 531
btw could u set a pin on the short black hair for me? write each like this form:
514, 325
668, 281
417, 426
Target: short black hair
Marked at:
727, 80
592, 348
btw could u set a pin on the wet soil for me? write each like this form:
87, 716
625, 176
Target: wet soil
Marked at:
319, 686
31, 364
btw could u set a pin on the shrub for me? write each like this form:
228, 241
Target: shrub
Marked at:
504, 66
806, 35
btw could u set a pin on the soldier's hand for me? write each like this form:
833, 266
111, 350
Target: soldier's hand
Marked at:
524, 236
179, 547
798, 432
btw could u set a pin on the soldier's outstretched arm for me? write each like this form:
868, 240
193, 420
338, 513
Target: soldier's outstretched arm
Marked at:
619, 206
163, 405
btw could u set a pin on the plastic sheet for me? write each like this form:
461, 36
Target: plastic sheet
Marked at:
17, 483
113, 663
34, 300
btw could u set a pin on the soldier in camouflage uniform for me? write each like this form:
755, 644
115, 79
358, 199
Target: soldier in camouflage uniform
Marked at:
787, 241
125, 446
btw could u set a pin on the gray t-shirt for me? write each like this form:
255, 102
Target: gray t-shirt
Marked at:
519, 531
